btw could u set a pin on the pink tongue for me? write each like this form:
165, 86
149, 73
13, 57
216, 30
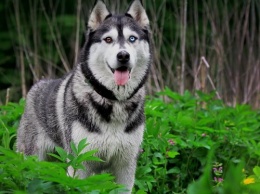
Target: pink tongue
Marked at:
121, 77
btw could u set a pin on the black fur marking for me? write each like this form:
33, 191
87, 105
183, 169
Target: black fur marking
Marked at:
128, 15
104, 110
146, 37
68, 114
47, 111
98, 87
66, 92
141, 83
108, 16
82, 117
138, 120
121, 38
131, 108
94, 37
51, 113
143, 33
136, 109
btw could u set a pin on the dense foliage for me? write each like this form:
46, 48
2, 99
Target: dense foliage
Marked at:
192, 144
41, 38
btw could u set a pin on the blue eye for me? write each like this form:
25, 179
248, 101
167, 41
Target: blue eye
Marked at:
132, 39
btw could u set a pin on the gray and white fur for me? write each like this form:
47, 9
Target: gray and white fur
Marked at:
102, 99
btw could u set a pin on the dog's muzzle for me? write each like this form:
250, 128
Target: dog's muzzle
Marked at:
122, 71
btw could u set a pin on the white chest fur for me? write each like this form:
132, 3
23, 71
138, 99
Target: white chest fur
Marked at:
112, 141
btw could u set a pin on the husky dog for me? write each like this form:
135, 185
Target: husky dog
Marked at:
102, 99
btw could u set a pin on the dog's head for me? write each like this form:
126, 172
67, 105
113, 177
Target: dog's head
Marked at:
117, 49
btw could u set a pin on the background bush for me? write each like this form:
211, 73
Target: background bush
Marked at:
199, 45
192, 144
182, 133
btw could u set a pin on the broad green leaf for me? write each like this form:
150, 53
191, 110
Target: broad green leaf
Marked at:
140, 192
63, 154
172, 154
56, 156
256, 170
74, 148
82, 144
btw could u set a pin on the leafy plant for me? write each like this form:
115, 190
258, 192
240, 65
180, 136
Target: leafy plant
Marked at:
10, 115
19, 173
76, 159
181, 130
191, 143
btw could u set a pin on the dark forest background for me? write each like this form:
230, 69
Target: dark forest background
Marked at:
199, 45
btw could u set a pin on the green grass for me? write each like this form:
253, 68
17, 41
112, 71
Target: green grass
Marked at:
192, 144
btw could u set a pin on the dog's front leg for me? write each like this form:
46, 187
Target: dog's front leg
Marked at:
125, 174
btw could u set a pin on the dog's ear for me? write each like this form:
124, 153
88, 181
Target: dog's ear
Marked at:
137, 11
98, 14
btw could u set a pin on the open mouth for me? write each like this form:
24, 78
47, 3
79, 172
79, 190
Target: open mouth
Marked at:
121, 75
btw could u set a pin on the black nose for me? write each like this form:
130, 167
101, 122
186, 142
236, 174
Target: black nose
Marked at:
123, 57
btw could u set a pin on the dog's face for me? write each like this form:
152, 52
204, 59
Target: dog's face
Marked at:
118, 48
